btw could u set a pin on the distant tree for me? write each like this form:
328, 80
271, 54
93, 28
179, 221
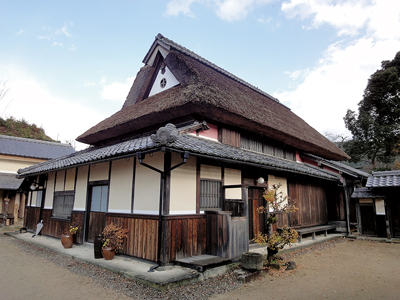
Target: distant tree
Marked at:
338, 139
376, 127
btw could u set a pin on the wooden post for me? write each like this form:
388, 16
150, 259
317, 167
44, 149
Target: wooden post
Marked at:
387, 219
245, 197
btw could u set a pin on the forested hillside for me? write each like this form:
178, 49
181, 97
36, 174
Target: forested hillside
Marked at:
21, 128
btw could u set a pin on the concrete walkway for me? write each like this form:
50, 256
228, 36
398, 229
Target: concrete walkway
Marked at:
138, 269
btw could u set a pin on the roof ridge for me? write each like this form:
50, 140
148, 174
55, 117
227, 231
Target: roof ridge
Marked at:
33, 140
192, 54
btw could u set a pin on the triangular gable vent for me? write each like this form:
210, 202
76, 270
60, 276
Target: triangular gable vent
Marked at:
164, 81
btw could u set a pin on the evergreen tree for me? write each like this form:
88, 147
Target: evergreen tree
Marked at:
375, 128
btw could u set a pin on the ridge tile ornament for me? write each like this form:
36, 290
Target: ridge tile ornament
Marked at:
165, 135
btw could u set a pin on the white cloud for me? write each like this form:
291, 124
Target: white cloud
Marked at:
228, 10
381, 19
64, 30
338, 81
20, 32
57, 116
57, 44
116, 91
44, 37
73, 47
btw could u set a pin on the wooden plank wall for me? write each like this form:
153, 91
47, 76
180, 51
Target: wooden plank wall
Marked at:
185, 236
312, 203
142, 237
229, 137
32, 215
227, 236
55, 227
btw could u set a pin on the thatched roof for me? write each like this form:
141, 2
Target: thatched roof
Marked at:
208, 91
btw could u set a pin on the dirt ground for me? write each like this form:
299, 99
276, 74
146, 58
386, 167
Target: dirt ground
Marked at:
350, 270
26, 276
346, 270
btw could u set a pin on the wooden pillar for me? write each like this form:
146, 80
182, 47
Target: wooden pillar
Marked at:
245, 197
387, 219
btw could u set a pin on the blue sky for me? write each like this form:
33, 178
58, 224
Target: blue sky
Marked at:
70, 64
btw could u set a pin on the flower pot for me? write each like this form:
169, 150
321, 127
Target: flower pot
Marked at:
108, 252
252, 261
67, 240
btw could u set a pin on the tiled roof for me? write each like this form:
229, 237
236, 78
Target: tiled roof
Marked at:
209, 92
364, 192
17, 146
384, 179
9, 181
194, 145
338, 166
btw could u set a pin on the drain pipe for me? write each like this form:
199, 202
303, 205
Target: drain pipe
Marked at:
347, 207
140, 156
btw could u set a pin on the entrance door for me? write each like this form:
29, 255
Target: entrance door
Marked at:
97, 208
367, 213
256, 220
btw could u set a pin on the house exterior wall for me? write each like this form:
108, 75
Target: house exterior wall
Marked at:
233, 177
120, 197
60, 181
70, 180
147, 185
210, 172
99, 171
81, 188
183, 187
10, 164
49, 191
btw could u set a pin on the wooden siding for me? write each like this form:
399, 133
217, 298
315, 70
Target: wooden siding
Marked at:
53, 227
32, 217
142, 237
185, 236
229, 137
312, 203
226, 236
263, 145
256, 220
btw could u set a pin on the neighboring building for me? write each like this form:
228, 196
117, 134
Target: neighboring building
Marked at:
378, 205
17, 153
184, 164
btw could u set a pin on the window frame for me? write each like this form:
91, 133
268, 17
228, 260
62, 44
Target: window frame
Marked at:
219, 195
63, 195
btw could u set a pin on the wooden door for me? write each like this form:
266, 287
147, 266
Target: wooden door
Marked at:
97, 208
256, 220
367, 215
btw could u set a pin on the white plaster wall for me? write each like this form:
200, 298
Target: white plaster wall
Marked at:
233, 177
49, 191
380, 206
183, 187
120, 197
70, 180
11, 164
81, 188
171, 82
147, 185
99, 171
210, 172
278, 180
60, 181
34, 197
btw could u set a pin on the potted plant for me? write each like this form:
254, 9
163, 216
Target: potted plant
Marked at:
277, 204
67, 238
113, 239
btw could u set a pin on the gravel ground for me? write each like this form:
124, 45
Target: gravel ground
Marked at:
204, 289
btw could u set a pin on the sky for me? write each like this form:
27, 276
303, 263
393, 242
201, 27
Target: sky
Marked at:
70, 64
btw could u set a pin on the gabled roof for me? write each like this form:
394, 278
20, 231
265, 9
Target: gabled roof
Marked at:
10, 181
384, 179
213, 93
193, 145
16, 146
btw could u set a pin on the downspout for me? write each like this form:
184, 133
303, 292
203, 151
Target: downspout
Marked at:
140, 156
347, 207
